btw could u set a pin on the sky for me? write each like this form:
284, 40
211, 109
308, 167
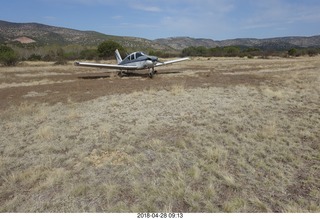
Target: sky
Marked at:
152, 19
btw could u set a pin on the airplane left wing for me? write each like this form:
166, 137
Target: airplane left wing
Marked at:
121, 67
172, 61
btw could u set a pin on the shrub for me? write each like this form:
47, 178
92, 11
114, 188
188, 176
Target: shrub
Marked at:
34, 57
60, 57
312, 52
293, 52
7, 56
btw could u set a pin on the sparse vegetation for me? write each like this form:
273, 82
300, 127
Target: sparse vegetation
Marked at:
303, 51
89, 54
34, 57
7, 56
250, 52
60, 57
222, 135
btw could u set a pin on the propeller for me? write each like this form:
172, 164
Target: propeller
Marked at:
155, 60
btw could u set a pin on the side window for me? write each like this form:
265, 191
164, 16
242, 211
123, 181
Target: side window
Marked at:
132, 57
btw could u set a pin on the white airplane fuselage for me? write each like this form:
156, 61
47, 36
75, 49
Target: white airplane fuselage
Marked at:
139, 60
134, 61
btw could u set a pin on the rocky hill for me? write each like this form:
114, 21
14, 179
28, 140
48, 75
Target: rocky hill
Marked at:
41, 34
180, 43
280, 43
47, 35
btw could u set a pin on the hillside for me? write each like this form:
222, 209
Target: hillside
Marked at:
49, 35
280, 43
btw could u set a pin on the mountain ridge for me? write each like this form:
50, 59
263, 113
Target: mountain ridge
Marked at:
290, 41
43, 34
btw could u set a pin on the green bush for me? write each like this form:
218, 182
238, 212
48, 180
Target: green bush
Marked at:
7, 56
34, 57
89, 54
107, 48
293, 52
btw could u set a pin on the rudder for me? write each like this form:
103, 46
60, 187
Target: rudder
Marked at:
118, 56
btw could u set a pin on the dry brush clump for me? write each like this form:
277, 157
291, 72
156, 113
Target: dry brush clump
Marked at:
216, 149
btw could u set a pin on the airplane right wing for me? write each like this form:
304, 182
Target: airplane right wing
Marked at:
172, 61
98, 65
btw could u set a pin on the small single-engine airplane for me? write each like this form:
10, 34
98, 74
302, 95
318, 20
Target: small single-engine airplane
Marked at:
134, 61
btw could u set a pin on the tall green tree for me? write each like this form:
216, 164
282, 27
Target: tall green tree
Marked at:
106, 49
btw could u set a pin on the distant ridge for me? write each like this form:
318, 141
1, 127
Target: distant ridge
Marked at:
42, 34
50, 35
279, 43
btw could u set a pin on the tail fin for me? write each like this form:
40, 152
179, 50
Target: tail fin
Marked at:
118, 56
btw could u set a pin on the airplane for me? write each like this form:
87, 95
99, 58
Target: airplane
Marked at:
134, 61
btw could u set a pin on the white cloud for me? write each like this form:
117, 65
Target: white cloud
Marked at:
50, 18
145, 7
117, 17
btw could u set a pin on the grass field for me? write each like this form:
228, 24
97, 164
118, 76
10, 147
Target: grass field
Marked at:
220, 135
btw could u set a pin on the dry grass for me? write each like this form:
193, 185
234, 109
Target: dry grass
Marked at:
216, 149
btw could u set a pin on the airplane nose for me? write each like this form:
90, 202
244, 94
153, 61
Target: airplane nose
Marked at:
149, 63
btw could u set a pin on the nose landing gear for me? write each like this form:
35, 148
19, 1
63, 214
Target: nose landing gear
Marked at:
152, 72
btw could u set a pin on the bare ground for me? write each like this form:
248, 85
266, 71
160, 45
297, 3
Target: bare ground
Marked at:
209, 135
62, 83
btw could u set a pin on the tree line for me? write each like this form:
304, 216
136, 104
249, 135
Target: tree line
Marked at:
238, 51
10, 55
60, 55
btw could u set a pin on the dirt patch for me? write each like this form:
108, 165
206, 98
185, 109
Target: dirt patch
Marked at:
24, 40
81, 84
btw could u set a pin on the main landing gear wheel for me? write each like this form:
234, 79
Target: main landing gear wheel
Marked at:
152, 72
121, 74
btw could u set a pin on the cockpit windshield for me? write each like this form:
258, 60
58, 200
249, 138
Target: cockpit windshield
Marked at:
138, 54
135, 55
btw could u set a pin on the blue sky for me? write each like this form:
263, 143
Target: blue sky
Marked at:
151, 19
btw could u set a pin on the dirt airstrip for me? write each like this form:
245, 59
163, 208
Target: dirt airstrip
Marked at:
44, 82
206, 135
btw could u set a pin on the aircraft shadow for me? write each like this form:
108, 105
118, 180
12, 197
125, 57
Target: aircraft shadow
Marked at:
168, 72
94, 77
146, 75
128, 74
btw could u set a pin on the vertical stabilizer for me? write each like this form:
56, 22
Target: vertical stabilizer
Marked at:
118, 56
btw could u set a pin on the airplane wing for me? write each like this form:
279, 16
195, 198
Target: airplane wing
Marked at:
121, 67
172, 61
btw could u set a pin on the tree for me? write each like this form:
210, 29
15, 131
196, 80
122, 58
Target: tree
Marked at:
293, 52
195, 51
60, 57
107, 48
7, 56
231, 51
